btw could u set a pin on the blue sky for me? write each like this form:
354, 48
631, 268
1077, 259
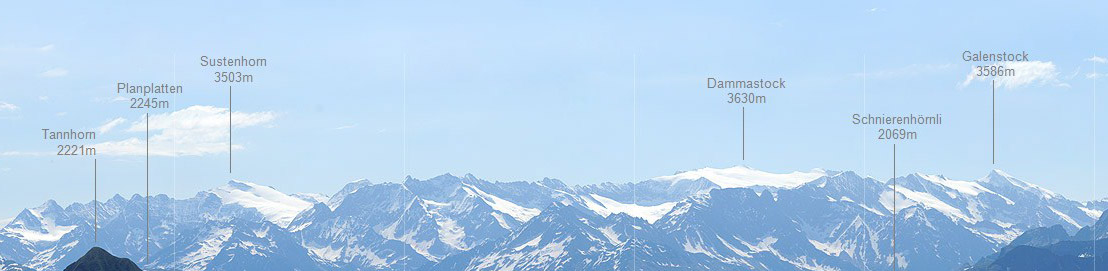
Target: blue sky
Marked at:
580, 91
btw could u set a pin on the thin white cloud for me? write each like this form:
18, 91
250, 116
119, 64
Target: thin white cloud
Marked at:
1075, 73
61, 114
344, 127
43, 98
1096, 59
108, 126
193, 131
23, 153
5, 106
55, 72
1025, 73
46, 48
109, 99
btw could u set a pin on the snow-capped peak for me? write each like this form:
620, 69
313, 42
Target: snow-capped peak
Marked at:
1001, 173
38, 224
277, 207
520, 213
742, 176
999, 177
348, 189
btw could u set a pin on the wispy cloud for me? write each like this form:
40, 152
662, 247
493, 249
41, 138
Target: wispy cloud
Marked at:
46, 48
1096, 59
61, 114
1025, 73
109, 99
344, 127
108, 126
5, 106
55, 72
23, 153
193, 131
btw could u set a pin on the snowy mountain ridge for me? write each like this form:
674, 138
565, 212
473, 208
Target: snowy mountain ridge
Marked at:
743, 176
277, 207
707, 219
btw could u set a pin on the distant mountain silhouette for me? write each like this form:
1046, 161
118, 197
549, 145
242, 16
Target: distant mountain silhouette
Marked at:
1052, 249
98, 259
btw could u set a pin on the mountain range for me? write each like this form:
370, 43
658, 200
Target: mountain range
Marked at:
734, 218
